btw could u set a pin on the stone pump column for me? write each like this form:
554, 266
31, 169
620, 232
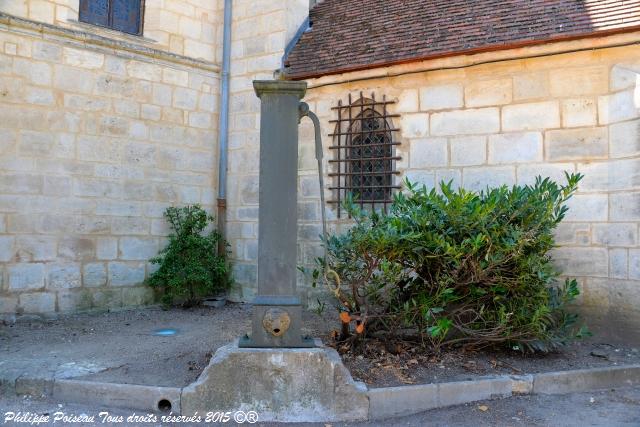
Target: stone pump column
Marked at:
277, 311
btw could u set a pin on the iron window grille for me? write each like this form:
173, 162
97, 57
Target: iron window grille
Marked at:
120, 15
363, 163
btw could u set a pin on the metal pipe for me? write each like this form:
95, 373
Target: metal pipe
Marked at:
223, 124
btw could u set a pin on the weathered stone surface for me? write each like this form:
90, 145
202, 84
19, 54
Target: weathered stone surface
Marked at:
37, 302
569, 233
137, 296
428, 152
528, 172
106, 248
408, 102
94, 275
625, 206
488, 92
414, 125
279, 384
579, 112
512, 148
441, 97
538, 115
579, 81
634, 264
616, 234
126, 274
592, 262
468, 151
577, 144
610, 175
135, 248
76, 248
466, 122
624, 76
107, 298
479, 178
64, 276
25, 276
624, 139
6, 248
74, 300
593, 207
619, 263
82, 58
618, 107
421, 177
531, 86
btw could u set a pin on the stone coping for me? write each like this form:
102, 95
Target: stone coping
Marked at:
38, 28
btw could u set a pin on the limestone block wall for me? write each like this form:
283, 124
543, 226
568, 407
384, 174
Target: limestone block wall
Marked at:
501, 123
97, 138
506, 123
186, 27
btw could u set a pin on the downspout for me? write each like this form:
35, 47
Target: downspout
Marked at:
223, 125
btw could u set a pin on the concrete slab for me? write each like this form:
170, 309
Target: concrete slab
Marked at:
127, 396
405, 400
395, 401
287, 385
586, 379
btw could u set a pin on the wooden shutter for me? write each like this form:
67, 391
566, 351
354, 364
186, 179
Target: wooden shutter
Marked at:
95, 12
125, 15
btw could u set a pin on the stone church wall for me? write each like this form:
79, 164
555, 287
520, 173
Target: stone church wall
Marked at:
98, 135
500, 123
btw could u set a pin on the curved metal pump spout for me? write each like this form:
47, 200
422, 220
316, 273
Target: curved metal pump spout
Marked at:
327, 272
304, 110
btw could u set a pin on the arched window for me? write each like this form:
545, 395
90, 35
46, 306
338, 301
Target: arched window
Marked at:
363, 160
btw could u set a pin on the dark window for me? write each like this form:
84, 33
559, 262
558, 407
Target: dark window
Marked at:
121, 15
363, 160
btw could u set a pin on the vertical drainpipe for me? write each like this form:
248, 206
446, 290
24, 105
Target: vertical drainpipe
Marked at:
223, 125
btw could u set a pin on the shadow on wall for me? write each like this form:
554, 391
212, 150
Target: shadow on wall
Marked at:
612, 304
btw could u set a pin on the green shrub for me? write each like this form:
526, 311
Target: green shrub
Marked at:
190, 267
456, 267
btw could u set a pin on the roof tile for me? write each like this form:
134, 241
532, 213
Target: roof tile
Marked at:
348, 35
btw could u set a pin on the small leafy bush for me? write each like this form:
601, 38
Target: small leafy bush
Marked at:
190, 267
455, 267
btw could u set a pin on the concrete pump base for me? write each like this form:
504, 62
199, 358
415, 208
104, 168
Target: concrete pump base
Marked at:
298, 384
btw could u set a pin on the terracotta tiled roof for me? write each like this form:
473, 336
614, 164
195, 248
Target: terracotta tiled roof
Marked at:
348, 35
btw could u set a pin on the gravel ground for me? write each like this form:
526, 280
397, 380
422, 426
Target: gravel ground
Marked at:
614, 408
121, 347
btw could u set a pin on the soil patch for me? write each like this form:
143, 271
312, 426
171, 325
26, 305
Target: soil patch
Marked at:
381, 364
123, 347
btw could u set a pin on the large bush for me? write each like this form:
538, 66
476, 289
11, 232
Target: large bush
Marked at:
456, 267
190, 267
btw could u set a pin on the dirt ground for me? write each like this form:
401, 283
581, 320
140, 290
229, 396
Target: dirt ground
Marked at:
384, 365
612, 408
122, 347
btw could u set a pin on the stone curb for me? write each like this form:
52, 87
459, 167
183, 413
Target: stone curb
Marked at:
406, 400
125, 396
385, 402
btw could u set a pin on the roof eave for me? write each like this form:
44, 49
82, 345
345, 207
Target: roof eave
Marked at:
484, 49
